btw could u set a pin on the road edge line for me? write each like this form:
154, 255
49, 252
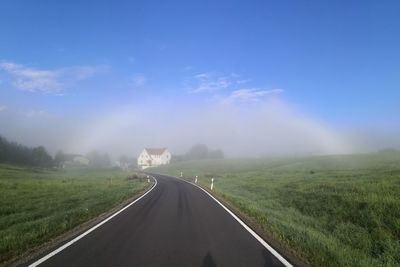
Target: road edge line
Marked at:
245, 226
54, 252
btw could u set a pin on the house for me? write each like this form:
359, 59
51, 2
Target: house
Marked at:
80, 160
152, 157
73, 160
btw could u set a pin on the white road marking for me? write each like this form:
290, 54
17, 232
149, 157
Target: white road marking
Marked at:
254, 234
51, 254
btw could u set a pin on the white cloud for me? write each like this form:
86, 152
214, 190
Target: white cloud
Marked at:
252, 94
243, 81
2, 108
204, 75
228, 89
206, 82
84, 72
46, 81
209, 82
32, 80
138, 80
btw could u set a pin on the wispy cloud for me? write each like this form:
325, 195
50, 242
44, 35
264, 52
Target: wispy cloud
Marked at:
229, 88
46, 80
252, 94
32, 80
207, 82
2, 108
84, 72
243, 81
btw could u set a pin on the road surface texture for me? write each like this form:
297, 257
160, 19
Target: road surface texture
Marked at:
176, 224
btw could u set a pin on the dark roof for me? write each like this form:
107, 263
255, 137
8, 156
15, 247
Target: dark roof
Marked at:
155, 151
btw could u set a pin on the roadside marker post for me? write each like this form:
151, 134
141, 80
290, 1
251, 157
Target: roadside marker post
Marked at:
181, 174
148, 179
195, 180
212, 183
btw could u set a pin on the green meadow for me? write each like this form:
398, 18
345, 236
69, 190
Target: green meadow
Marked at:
329, 210
37, 205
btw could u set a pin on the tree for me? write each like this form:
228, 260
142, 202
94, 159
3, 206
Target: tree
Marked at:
41, 157
201, 151
13, 152
59, 158
98, 160
126, 161
177, 158
216, 154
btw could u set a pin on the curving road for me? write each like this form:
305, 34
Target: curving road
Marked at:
176, 224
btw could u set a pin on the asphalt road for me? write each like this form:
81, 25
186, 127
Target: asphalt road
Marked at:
176, 224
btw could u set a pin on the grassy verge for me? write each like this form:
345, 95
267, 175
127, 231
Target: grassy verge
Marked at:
37, 205
331, 210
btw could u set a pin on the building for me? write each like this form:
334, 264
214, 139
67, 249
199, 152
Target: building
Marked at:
153, 157
81, 160
73, 160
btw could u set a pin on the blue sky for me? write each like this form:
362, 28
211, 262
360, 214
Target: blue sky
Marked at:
338, 61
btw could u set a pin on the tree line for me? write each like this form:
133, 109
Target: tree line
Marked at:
199, 152
12, 152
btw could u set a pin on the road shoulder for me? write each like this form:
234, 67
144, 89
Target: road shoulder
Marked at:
48, 247
291, 256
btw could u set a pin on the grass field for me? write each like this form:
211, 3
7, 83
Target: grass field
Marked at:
330, 210
37, 205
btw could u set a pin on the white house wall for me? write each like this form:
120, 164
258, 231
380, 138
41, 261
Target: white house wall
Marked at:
156, 160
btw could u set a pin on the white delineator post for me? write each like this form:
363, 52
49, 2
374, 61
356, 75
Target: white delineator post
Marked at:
148, 179
181, 174
212, 183
195, 181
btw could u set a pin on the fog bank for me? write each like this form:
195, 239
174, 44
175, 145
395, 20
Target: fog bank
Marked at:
269, 127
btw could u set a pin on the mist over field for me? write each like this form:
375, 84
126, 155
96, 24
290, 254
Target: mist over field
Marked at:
262, 127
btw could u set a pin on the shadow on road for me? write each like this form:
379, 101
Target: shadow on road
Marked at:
270, 260
208, 261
